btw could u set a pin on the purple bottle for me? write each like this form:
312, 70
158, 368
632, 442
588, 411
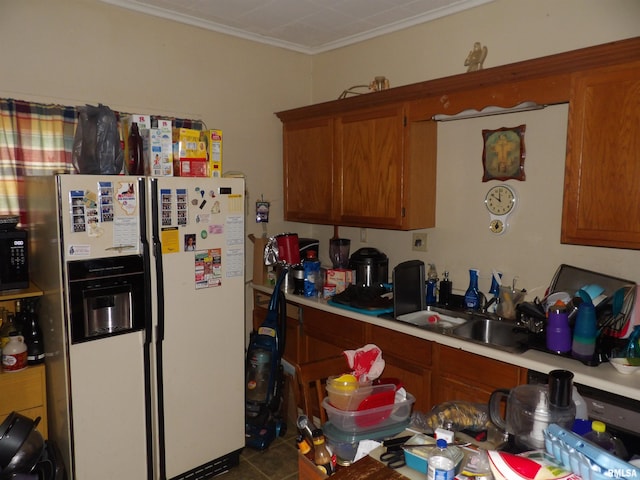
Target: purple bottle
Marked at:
558, 333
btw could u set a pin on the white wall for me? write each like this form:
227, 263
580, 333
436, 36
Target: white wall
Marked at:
84, 51
513, 30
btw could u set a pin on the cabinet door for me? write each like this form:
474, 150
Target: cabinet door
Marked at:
308, 170
326, 334
467, 376
407, 358
601, 194
369, 149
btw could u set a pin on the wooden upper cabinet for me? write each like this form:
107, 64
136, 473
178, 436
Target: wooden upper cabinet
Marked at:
601, 194
366, 168
308, 170
369, 159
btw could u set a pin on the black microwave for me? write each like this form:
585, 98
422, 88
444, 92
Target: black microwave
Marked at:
14, 261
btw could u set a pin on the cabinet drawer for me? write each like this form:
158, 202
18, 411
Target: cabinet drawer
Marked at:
341, 331
22, 390
261, 300
402, 346
477, 369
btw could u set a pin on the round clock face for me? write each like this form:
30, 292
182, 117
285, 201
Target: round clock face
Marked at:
496, 226
500, 200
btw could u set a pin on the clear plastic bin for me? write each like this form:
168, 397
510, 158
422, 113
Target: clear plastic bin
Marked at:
351, 399
370, 419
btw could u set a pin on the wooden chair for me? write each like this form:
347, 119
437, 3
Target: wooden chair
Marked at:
312, 378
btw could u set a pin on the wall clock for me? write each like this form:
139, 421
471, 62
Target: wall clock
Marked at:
500, 201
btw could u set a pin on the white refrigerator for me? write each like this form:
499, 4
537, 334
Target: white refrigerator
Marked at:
143, 321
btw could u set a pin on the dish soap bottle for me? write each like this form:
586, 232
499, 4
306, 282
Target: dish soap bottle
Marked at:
445, 290
432, 282
472, 296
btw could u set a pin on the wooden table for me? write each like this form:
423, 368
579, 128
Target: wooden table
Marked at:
366, 468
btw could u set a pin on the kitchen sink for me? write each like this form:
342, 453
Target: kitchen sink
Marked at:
495, 333
477, 327
431, 320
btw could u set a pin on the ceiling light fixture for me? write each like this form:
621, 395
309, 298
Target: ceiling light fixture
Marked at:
488, 111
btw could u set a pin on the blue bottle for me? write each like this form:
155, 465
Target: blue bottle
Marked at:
585, 332
472, 295
311, 266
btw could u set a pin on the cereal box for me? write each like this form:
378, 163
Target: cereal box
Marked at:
213, 140
341, 278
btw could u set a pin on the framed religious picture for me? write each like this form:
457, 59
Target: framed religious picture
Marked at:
503, 154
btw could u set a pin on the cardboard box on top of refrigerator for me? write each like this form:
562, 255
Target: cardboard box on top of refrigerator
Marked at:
341, 278
213, 140
190, 153
157, 152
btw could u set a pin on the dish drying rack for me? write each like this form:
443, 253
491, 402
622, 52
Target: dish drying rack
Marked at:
584, 458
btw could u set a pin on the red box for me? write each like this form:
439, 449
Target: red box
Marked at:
194, 167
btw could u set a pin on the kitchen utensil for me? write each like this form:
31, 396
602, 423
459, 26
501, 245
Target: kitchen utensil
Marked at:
558, 331
371, 266
339, 252
508, 300
21, 445
530, 409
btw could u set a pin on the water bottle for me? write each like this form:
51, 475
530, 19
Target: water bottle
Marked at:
472, 296
558, 331
584, 332
311, 266
441, 462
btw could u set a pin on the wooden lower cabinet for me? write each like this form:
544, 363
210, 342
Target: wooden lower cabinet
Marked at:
25, 392
407, 358
469, 377
326, 334
431, 372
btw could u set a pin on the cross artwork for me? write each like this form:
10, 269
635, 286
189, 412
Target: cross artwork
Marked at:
504, 153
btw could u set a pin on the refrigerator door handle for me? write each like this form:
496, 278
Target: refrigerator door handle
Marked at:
148, 330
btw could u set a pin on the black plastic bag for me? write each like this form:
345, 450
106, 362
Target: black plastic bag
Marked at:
96, 146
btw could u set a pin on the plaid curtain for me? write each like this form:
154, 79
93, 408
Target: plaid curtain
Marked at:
37, 139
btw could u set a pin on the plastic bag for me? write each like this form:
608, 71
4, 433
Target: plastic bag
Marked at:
96, 145
455, 416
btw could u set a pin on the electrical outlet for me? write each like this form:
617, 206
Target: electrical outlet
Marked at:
363, 235
419, 242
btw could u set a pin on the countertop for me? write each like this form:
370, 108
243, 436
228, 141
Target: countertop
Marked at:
603, 377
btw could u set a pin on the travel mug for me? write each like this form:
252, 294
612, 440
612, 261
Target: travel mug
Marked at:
558, 333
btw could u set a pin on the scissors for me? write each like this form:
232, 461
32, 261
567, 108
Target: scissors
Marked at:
393, 457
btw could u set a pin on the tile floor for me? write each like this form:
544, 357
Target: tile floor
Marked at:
278, 462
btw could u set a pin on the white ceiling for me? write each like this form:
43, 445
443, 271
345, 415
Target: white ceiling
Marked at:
307, 26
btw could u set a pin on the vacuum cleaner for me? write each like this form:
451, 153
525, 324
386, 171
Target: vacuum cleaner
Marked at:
264, 386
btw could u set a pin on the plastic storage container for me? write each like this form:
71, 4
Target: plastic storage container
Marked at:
369, 419
346, 396
345, 444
